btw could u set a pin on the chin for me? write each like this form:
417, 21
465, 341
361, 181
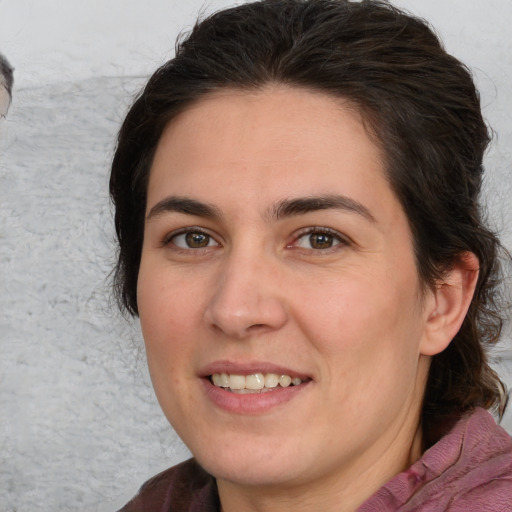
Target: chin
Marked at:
248, 473
252, 466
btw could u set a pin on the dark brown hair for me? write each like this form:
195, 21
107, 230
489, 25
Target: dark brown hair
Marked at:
420, 104
6, 74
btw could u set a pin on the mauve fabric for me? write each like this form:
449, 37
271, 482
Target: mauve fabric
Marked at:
468, 470
183, 488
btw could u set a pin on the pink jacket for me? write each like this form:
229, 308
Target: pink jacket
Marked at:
468, 470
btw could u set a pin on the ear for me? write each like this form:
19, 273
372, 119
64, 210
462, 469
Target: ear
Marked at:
449, 303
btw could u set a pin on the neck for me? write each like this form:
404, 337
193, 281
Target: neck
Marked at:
341, 491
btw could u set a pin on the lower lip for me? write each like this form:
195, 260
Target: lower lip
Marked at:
251, 403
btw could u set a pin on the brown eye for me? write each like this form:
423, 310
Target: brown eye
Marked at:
193, 240
197, 240
321, 240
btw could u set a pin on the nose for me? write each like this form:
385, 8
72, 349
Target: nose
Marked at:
247, 298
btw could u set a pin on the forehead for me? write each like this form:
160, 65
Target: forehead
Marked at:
278, 140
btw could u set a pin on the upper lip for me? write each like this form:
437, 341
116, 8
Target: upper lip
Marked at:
249, 368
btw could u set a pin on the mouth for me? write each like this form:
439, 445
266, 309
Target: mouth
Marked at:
254, 383
253, 388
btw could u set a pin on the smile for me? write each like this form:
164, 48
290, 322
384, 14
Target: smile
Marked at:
253, 383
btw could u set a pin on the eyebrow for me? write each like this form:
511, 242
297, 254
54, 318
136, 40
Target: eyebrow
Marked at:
282, 209
184, 205
303, 205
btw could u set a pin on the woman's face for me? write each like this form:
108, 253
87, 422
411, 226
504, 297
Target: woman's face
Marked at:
274, 249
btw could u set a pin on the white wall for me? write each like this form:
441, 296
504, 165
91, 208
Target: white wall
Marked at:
52, 41
79, 426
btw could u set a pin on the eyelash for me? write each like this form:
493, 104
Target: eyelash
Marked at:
337, 239
193, 230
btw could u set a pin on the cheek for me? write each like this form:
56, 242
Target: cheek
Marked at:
366, 325
168, 310
167, 318
351, 307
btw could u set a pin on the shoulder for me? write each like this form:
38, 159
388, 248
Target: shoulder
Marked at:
185, 487
468, 470
481, 476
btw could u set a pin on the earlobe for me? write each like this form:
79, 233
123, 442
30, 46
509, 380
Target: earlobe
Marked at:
450, 302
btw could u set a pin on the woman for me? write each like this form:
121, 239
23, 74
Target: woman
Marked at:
296, 199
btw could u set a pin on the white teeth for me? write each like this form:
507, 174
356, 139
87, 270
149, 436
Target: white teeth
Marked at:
256, 382
216, 379
285, 381
237, 381
221, 379
271, 380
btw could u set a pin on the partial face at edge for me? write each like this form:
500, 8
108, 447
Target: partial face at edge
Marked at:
274, 245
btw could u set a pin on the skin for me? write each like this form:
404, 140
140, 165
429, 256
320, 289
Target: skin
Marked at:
351, 315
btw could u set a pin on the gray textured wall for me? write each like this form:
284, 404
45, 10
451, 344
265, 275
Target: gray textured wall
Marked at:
79, 426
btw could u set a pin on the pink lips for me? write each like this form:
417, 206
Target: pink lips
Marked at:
250, 403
